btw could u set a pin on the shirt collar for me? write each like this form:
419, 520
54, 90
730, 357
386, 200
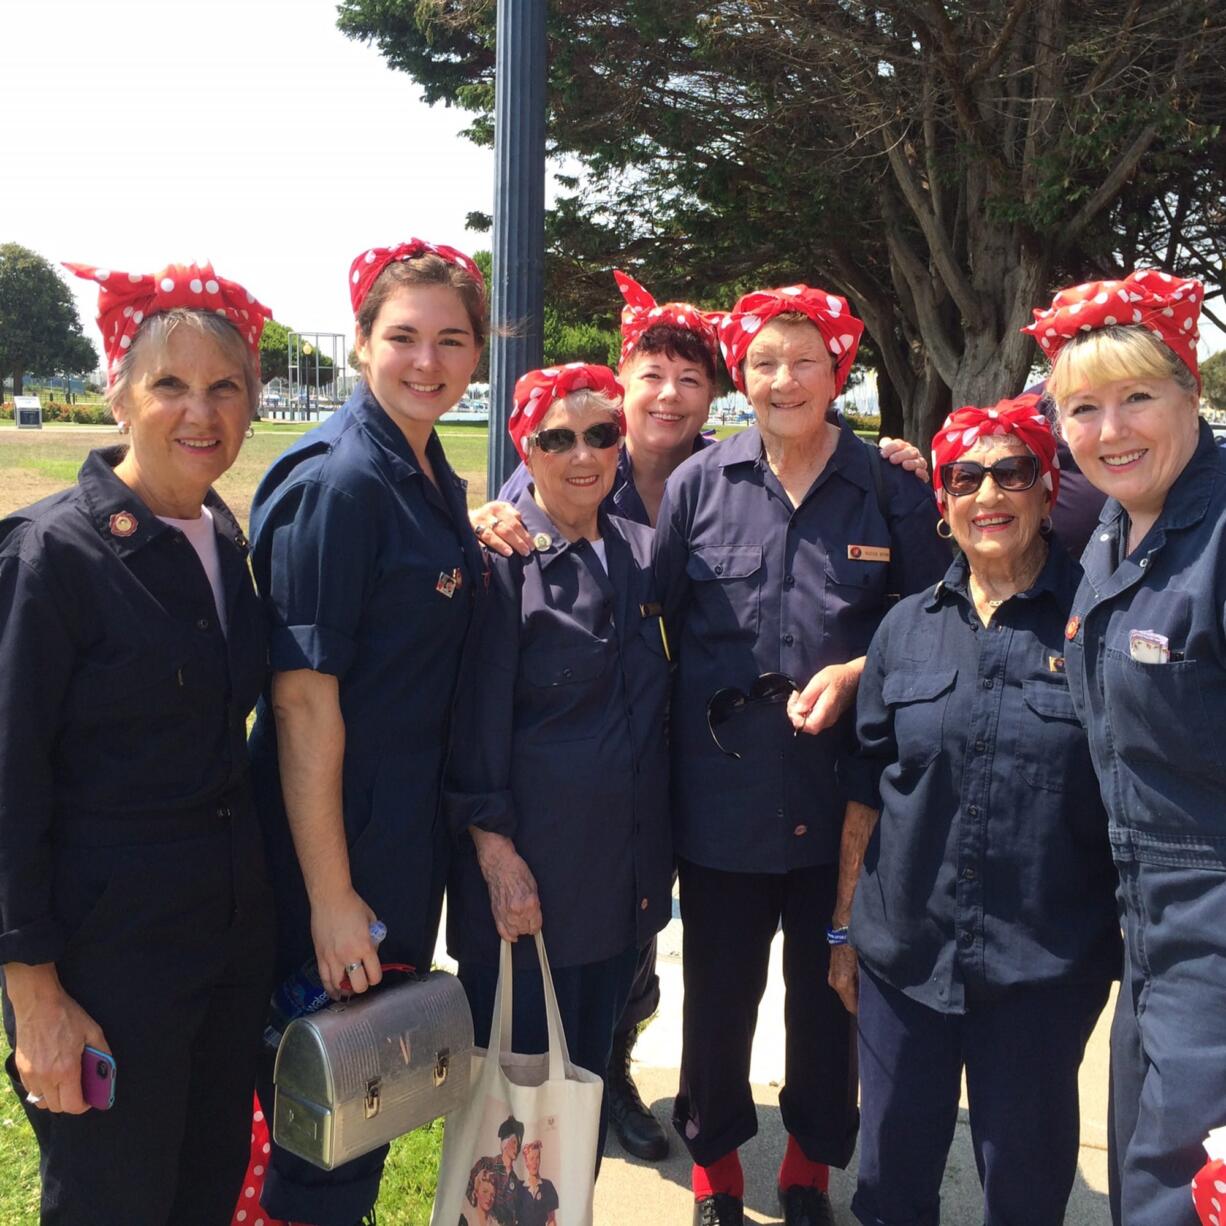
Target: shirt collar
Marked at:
1059, 576
386, 435
537, 524
848, 458
120, 516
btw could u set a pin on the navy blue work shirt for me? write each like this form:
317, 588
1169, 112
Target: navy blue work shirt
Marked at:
120, 697
753, 585
1156, 730
990, 866
368, 573
561, 745
623, 499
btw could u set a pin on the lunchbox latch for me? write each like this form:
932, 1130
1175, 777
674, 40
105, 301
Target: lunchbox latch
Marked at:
442, 1064
372, 1098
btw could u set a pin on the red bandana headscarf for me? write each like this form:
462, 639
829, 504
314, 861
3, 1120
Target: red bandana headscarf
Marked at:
126, 299
538, 389
365, 269
1020, 416
642, 312
1168, 306
829, 313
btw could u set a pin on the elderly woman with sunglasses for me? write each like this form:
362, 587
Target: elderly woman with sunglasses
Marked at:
778, 551
558, 783
1146, 649
983, 922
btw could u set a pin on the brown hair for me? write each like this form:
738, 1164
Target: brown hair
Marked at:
156, 330
1119, 351
678, 343
428, 269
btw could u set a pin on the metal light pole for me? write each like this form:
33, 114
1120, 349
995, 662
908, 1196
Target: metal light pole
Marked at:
307, 350
517, 298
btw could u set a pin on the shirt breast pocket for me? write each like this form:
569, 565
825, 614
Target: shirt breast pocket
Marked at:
854, 584
918, 703
1050, 743
564, 690
727, 582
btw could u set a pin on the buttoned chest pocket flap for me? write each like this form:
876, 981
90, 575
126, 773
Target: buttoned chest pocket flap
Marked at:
1050, 741
564, 690
855, 580
918, 702
727, 583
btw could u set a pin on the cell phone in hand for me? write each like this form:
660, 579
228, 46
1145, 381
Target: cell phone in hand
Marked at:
98, 1078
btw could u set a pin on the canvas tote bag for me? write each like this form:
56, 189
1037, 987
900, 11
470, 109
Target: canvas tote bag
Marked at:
541, 1099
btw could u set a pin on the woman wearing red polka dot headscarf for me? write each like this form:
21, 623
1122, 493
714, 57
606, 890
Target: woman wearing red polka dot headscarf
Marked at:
135, 919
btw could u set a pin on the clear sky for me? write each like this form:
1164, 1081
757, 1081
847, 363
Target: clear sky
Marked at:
136, 133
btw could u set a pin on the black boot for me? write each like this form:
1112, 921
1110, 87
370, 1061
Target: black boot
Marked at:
640, 1133
719, 1210
805, 1207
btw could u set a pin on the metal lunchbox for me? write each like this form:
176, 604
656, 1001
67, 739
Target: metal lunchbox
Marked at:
364, 1071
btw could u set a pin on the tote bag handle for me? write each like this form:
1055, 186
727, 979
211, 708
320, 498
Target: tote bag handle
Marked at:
500, 1030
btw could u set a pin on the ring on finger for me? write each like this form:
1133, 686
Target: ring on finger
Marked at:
35, 1099
351, 967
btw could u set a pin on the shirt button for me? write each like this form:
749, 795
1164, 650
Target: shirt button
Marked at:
788, 640
988, 683
973, 810
1106, 536
968, 874
1144, 563
966, 936
202, 624
789, 581
566, 673
800, 830
980, 746
719, 568
643, 905
778, 812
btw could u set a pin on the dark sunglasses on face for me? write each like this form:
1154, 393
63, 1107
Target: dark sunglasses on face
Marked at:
767, 689
1014, 473
601, 436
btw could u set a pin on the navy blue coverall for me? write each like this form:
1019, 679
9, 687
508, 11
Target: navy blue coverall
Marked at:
130, 855
560, 744
984, 917
1156, 733
751, 585
368, 573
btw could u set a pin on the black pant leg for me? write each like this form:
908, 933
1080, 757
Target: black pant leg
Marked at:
729, 922
818, 1099
644, 997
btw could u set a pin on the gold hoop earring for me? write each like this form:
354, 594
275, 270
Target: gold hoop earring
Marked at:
250, 432
1045, 525
948, 533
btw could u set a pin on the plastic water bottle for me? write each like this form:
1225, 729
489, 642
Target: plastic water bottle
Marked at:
302, 994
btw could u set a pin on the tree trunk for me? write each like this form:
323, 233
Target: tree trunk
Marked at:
18, 382
889, 405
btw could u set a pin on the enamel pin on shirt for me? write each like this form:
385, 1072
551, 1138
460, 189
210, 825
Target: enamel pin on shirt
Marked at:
123, 523
542, 541
449, 584
868, 553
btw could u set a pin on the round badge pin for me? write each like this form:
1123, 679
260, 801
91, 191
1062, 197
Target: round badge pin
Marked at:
854, 551
123, 523
542, 540
1070, 631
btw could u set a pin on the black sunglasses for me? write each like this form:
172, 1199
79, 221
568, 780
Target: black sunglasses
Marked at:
1014, 473
767, 689
603, 435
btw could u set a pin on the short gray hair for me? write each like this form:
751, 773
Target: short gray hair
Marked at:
155, 331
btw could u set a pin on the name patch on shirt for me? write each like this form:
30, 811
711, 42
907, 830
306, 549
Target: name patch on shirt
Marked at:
868, 553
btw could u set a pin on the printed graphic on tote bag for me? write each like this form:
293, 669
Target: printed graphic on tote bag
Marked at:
516, 1183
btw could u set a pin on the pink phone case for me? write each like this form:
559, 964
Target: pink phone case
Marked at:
98, 1078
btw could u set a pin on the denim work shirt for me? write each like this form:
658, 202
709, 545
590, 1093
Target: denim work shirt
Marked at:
990, 866
369, 574
1156, 730
120, 697
753, 585
561, 745
622, 500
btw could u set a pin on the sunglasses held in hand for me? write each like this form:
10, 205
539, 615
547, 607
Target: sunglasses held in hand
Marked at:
767, 690
601, 436
1014, 473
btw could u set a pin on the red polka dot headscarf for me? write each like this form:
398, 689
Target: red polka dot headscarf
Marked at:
536, 391
1168, 306
127, 299
365, 269
829, 313
642, 312
1020, 416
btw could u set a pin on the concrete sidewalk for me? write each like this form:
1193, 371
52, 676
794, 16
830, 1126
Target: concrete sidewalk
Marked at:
634, 1192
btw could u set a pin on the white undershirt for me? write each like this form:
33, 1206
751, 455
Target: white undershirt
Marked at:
203, 538
598, 546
